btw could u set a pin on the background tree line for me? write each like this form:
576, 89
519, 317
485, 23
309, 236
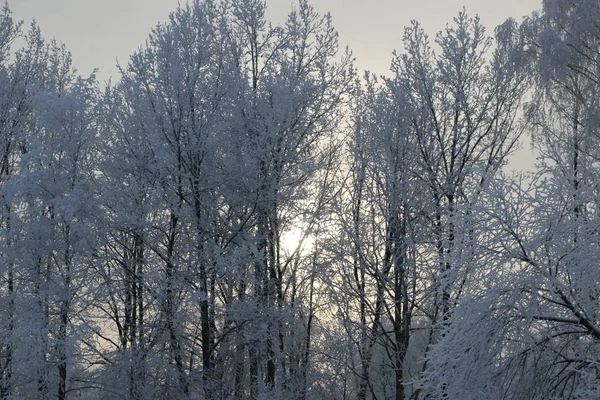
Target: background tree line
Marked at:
146, 227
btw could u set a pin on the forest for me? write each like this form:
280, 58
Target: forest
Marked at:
242, 214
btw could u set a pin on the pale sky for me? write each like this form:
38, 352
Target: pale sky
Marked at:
97, 32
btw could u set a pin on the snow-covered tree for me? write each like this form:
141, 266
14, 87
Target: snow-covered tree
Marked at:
49, 127
531, 330
240, 217
226, 126
424, 147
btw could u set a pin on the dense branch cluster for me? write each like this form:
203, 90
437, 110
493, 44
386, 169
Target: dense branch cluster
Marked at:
241, 216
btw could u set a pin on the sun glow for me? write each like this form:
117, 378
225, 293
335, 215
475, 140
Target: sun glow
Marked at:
296, 240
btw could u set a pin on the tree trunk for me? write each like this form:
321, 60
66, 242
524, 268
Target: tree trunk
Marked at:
61, 350
175, 345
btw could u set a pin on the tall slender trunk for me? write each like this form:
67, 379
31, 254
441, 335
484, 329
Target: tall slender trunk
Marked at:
65, 310
6, 368
360, 277
402, 316
170, 308
42, 278
307, 343
367, 350
254, 360
447, 263
274, 297
6, 383
137, 334
61, 350
206, 335
240, 358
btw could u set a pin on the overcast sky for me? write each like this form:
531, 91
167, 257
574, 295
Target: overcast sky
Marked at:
98, 32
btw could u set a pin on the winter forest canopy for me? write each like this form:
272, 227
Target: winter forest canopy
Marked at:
244, 215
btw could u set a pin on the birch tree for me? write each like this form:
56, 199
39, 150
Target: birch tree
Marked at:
534, 326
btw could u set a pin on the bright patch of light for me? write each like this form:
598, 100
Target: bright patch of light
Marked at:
296, 241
